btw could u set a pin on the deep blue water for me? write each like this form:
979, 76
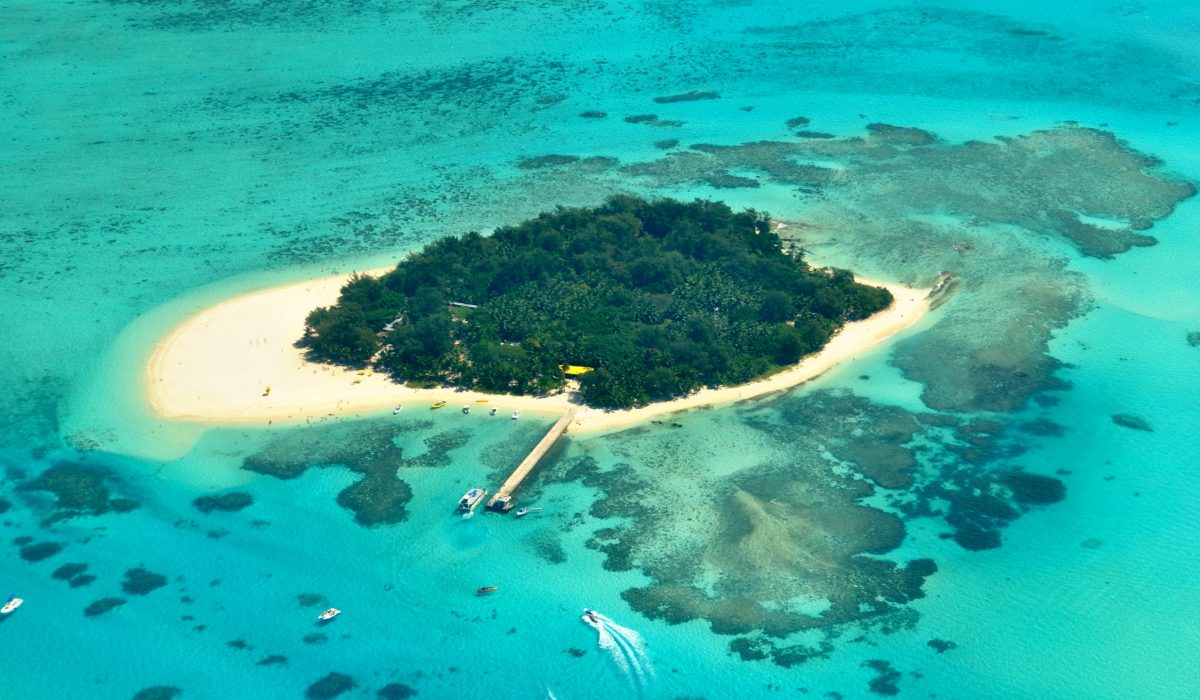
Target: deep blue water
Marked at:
161, 156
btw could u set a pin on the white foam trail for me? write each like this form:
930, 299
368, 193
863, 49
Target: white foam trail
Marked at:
631, 643
610, 645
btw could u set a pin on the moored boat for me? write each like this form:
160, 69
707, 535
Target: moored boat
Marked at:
467, 408
516, 414
526, 511
494, 410
12, 604
329, 614
396, 410
438, 404
485, 590
470, 499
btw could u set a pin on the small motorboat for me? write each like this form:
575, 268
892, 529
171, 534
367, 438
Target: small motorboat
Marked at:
589, 616
467, 408
396, 410
329, 615
526, 511
12, 604
494, 411
516, 414
437, 404
485, 590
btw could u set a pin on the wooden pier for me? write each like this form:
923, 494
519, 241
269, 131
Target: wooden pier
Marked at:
502, 500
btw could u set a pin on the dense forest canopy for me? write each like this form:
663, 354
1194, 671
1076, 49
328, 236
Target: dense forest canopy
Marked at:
660, 297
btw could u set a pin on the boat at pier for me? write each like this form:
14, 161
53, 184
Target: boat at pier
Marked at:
470, 499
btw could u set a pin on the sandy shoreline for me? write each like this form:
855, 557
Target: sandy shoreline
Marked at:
216, 367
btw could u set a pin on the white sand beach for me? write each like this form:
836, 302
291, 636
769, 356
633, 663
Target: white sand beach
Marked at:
217, 366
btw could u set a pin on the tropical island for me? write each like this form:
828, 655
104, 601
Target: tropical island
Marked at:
640, 301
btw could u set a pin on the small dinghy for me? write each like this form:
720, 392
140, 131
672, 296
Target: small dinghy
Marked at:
485, 590
329, 615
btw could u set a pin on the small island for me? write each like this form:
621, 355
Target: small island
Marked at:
239, 362
638, 301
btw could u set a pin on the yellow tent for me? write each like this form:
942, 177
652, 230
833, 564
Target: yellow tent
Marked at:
575, 370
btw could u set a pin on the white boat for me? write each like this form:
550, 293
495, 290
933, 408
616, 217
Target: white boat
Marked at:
396, 410
467, 408
470, 499
516, 415
12, 604
494, 410
329, 614
525, 511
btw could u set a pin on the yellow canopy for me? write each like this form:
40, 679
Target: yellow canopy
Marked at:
575, 370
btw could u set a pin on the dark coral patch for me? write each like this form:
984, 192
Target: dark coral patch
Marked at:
228, 502
941, 645
1034, 489
798, 122
652, 120
40, 550
99, 607
330, 686
901, 135
886, 680
78, 489
69, 571
1126, 420
787, 529
158, 692
140, 581
272, 660
378, 498
395, 691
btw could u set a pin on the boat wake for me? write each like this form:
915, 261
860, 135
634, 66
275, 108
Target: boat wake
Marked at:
624, 646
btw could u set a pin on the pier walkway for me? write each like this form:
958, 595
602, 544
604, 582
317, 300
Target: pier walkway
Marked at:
502, 499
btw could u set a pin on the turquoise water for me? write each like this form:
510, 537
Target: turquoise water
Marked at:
161, 156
